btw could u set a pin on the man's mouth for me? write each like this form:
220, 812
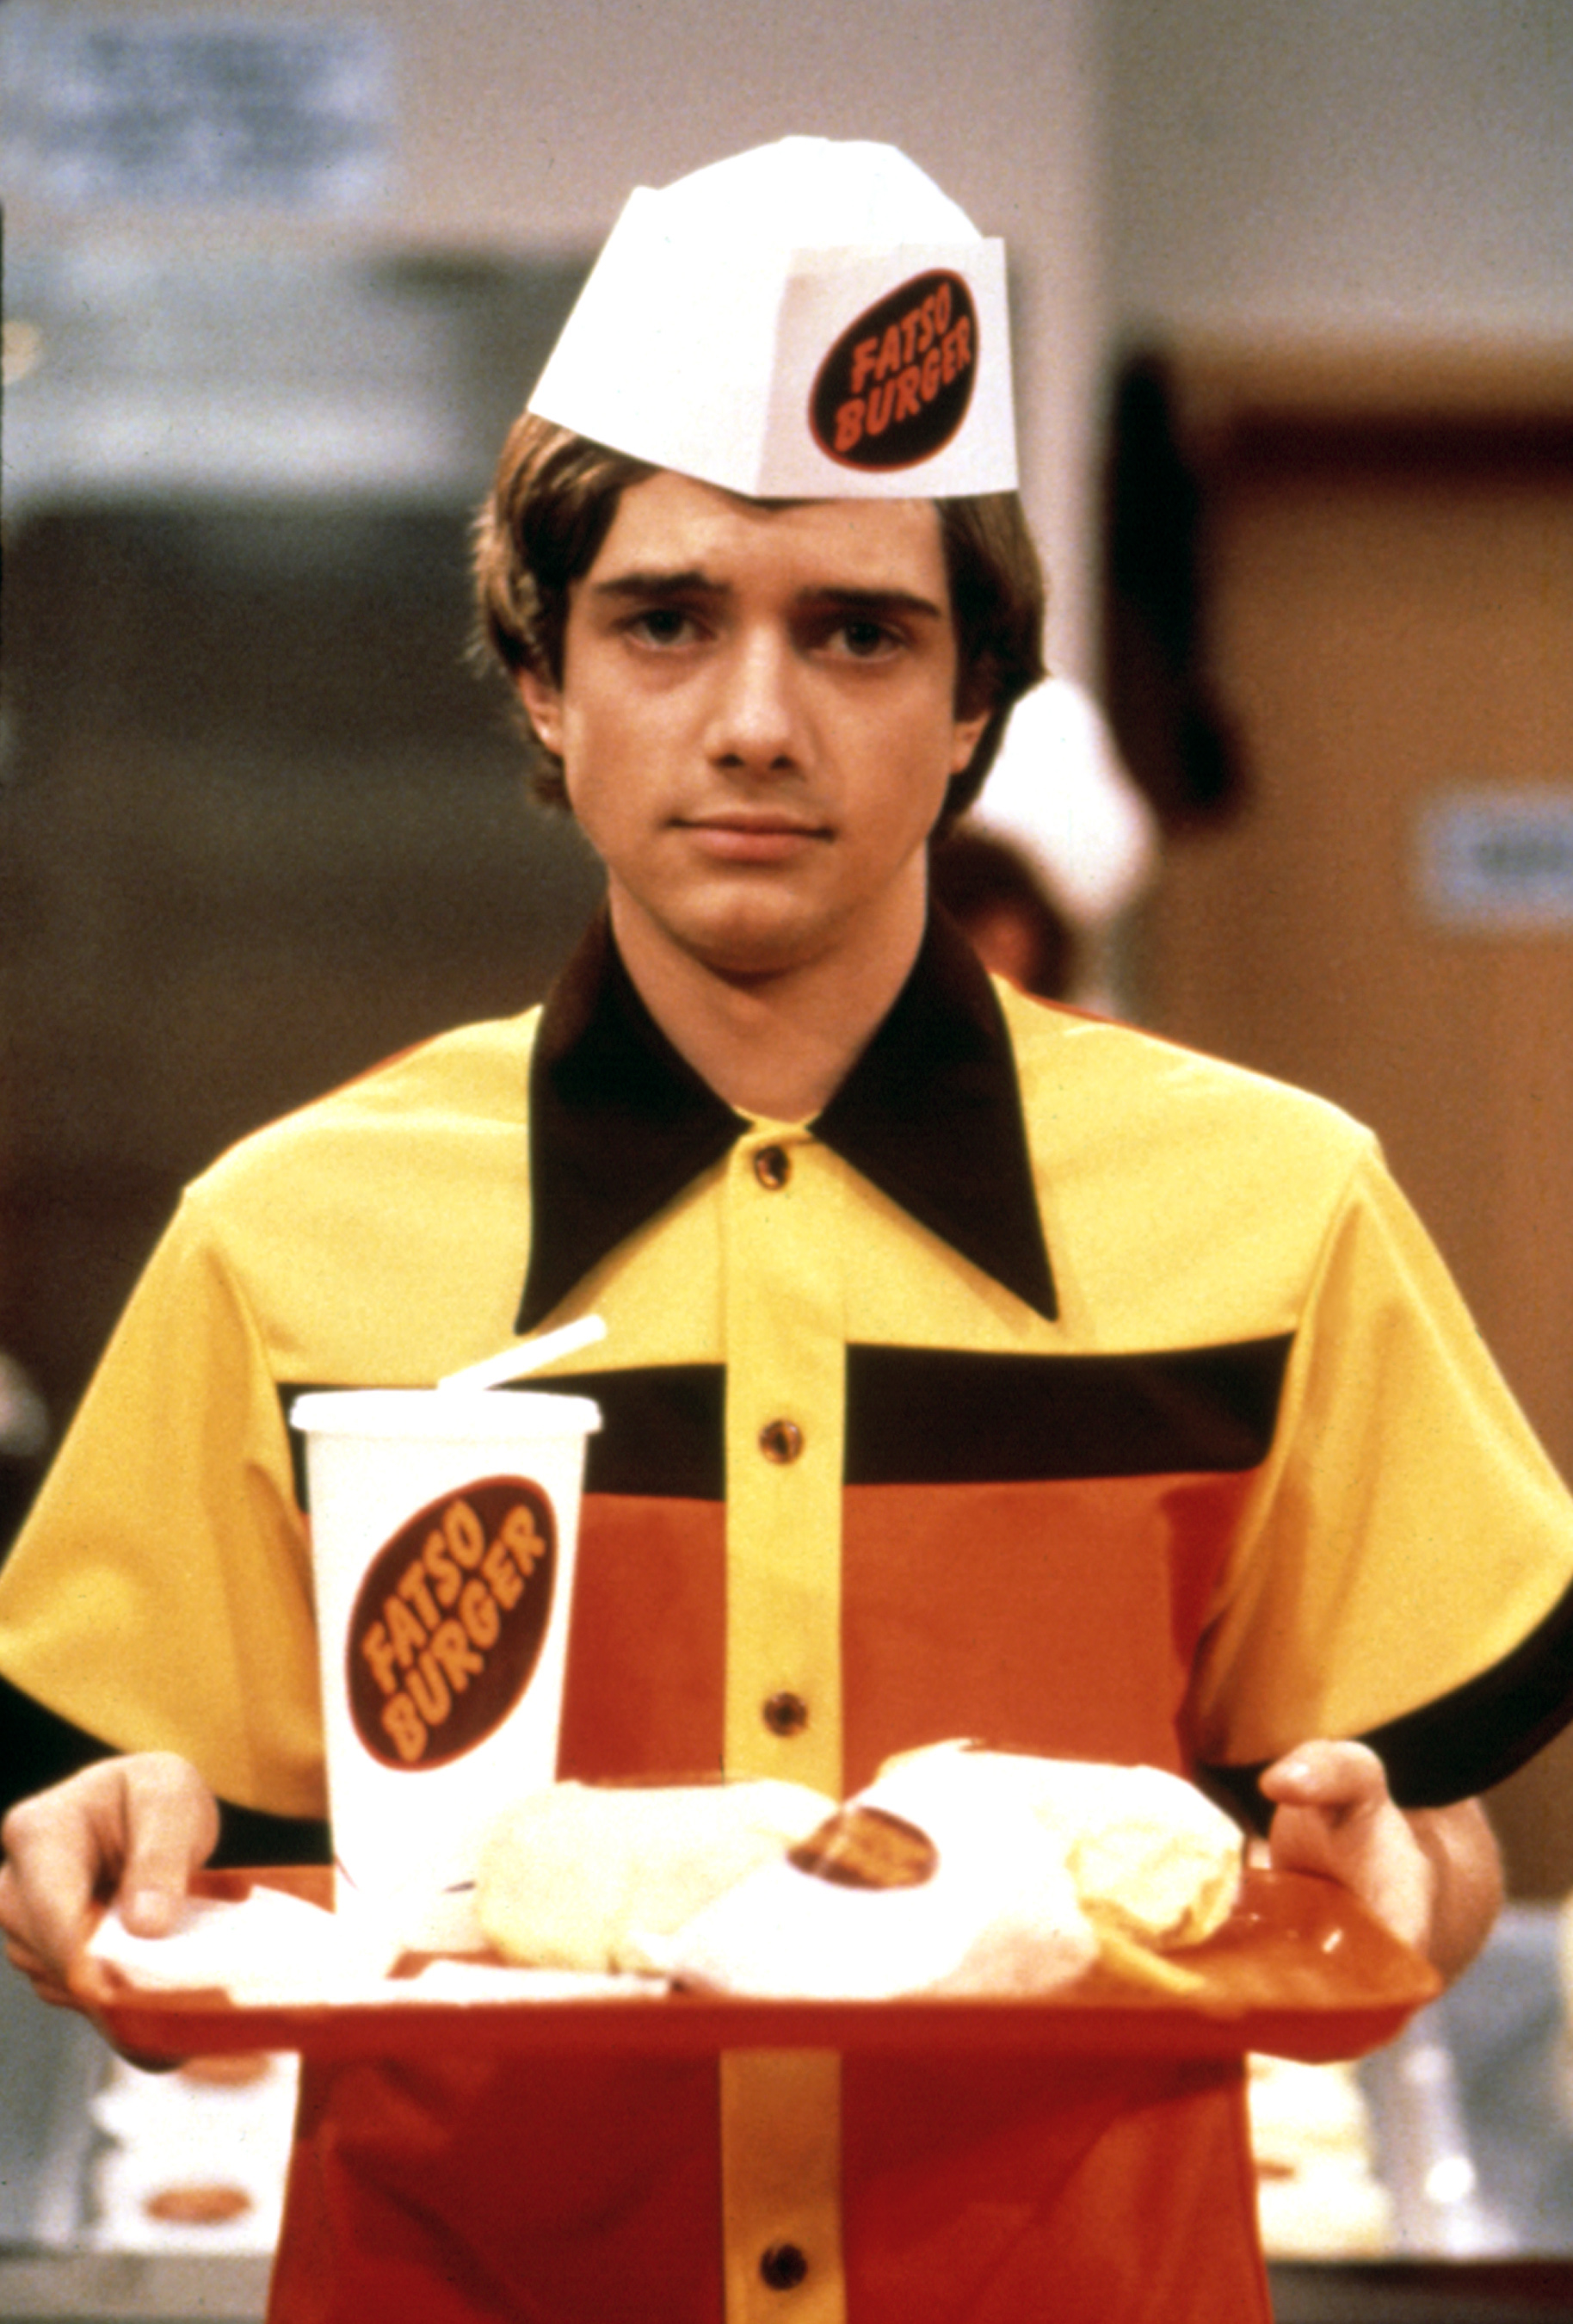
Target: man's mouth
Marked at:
735, 836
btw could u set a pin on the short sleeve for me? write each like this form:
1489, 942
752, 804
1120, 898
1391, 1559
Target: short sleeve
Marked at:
160, 1594
1408, 1534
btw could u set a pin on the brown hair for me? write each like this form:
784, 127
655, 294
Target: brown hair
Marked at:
551, 506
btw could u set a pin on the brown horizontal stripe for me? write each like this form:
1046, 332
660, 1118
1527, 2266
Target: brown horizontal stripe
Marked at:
939, 1415
932, 1415
662, 1430
660, 1433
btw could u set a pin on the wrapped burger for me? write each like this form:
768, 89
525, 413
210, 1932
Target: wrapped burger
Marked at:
958, 1870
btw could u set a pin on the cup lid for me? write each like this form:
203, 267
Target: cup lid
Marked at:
481, 1416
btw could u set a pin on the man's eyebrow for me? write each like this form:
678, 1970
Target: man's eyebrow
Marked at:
694, 581
872, 601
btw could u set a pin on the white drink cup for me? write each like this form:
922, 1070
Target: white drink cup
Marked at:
445, 1527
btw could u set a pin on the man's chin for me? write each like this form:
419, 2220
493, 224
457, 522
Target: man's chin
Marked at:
755, 959
753, 945
741, 939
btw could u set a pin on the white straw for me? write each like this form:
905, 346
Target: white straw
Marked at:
528, 1356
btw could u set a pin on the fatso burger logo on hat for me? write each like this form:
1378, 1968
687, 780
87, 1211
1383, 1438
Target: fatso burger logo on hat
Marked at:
897, 386
811, 320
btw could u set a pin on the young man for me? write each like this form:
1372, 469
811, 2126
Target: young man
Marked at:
972, 1368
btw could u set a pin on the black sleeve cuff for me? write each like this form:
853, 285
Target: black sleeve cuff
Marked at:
37, 1748
1465, 1741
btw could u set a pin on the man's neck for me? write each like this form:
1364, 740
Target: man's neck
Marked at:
776, 1046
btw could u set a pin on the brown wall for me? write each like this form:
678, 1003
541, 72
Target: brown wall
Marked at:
1386, 561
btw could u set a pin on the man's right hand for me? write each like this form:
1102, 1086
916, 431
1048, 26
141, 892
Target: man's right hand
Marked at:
131, 1830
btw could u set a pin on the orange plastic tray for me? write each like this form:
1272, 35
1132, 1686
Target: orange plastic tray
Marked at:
1300, 1970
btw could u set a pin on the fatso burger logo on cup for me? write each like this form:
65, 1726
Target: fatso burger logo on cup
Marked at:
449, 1620
896, 386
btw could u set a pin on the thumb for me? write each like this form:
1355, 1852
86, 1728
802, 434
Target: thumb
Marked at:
1341, 1778
172, 1827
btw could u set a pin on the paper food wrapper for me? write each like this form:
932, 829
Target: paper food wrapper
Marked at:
962, 1871
445, 1534
584, 1876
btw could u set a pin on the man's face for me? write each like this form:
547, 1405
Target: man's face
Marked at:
756, 722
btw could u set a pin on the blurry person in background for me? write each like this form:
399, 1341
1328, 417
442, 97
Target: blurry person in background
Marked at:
1060, 847
24, 1440
998, 902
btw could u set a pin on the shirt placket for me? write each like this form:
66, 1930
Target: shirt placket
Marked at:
786, 1375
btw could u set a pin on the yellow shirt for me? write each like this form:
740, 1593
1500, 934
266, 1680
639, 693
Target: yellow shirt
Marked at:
1056, 1387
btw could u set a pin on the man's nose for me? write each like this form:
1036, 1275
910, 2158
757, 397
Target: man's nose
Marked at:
755, 717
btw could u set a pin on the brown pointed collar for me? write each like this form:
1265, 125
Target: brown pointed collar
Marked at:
931, 1114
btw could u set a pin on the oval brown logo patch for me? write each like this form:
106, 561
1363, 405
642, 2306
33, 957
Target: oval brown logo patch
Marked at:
896, 385
867, 1847
448, 1623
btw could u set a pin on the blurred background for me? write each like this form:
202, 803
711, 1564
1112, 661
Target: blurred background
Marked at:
1292, 302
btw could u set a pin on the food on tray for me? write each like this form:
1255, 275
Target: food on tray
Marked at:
229, 2069
1318, 2195
194, 2160
581, 1874
957, 1870
914, 1886
198, 2206
960, 1870
1152, 1859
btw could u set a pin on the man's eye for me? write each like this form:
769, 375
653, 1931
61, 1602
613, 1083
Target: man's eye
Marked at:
865, 640
661, 625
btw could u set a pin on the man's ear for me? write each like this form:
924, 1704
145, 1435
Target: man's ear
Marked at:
543, 707
968, 734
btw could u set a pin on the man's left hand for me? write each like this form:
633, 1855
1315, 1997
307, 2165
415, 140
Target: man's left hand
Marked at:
1432, 1874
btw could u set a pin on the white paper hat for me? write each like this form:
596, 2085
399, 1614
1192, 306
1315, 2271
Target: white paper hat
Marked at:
811, 320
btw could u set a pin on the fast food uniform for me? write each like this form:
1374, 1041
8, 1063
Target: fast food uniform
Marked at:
1056, 1387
